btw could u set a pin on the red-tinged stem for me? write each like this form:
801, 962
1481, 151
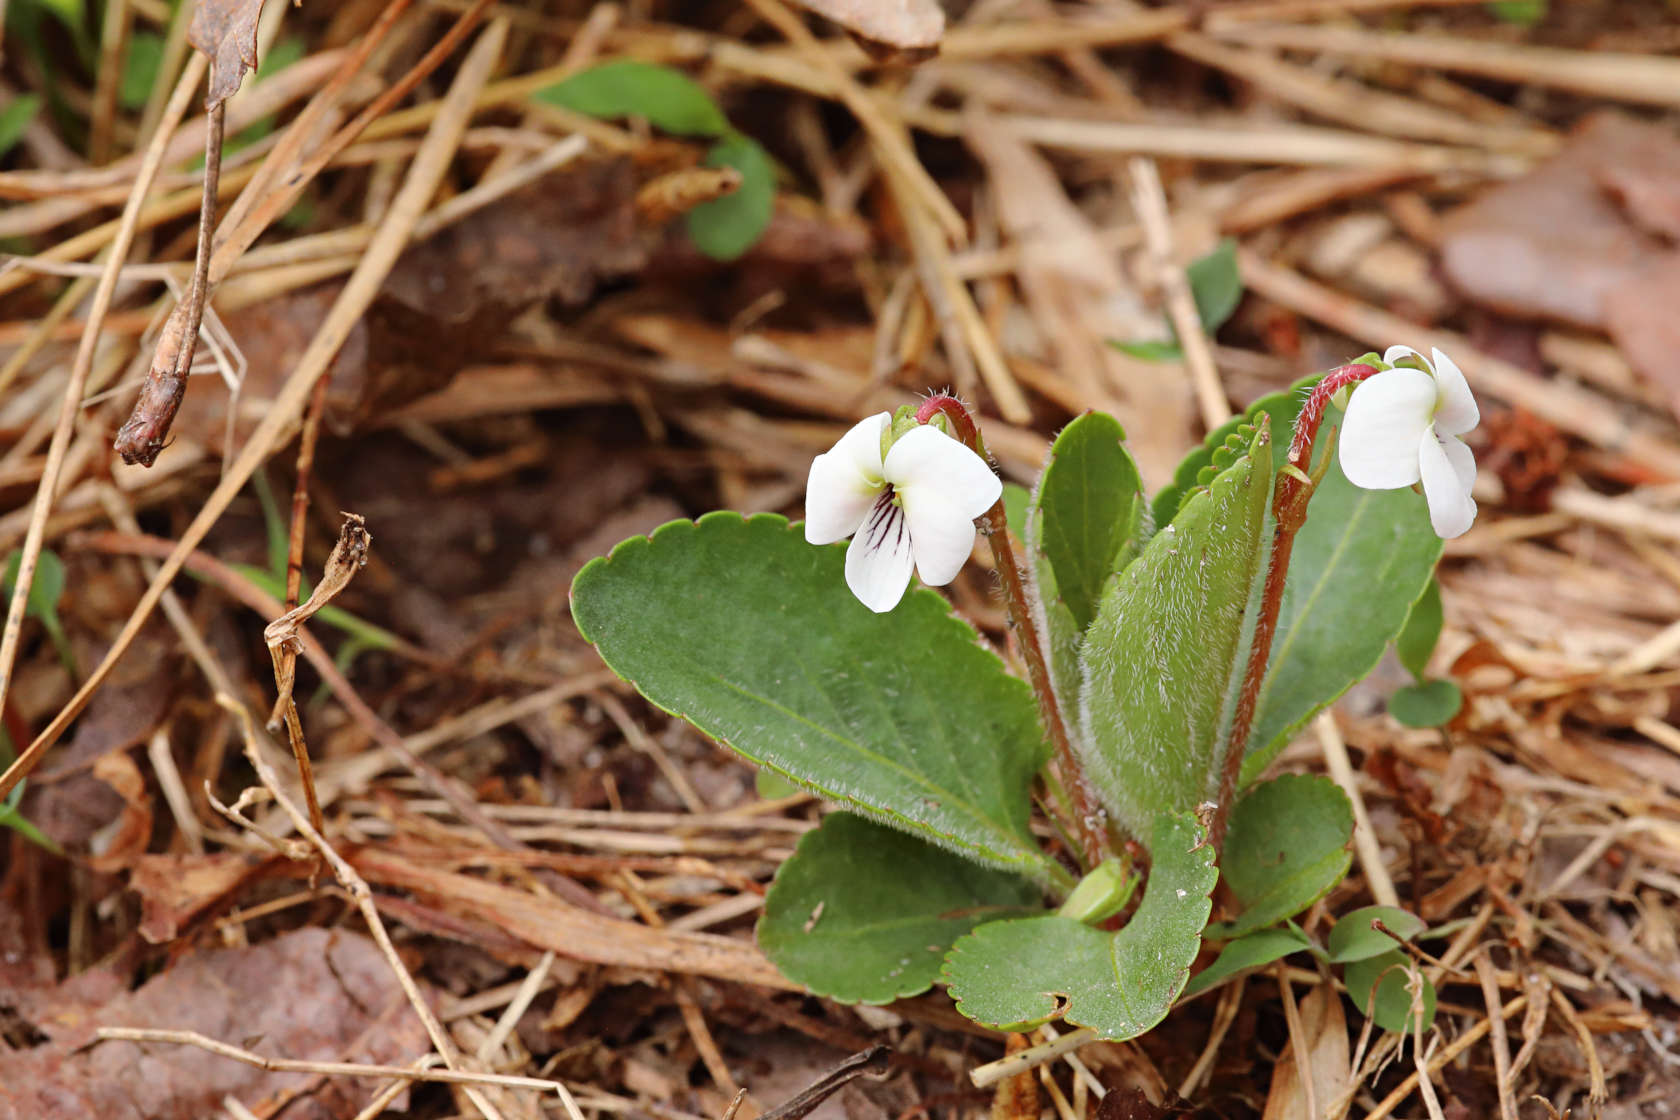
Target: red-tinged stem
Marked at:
1089, 817
1289, 511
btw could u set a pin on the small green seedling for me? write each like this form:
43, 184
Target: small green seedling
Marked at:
672, 102
45, 591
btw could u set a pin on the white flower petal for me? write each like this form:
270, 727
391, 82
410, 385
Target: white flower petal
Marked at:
844, 482
941, 534
925, 457
878, 561
1394, 353
1455, 410
1451, 508
1386, 419
1463, 460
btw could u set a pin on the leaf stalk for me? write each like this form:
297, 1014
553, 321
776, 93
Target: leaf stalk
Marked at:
1090, 819
1293, 491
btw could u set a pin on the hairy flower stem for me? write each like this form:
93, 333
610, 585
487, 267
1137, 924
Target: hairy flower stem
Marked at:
1089, 817
1289, 511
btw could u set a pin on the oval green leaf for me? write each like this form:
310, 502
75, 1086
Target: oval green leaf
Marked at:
1012, 975
1427, 704
1287, 845
1256, 950
1378, 988
1353, 937
863, 913
726, 227
1416, 641
1090, 510
665, 98
740, 627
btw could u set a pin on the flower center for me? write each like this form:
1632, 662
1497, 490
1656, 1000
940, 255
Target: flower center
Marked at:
885, 522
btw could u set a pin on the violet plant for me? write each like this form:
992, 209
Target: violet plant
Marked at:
997, 815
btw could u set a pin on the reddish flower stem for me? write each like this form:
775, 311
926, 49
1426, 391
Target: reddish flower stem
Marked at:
1289, 511
1089, 817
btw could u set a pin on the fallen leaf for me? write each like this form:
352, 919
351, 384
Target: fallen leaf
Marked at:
1324, 1031
1081, 301
226, 31
1016, 1097
1640, 315
176, 888
69, 802
122, 839
911, 26
312, 994
1554, 244
1647, 184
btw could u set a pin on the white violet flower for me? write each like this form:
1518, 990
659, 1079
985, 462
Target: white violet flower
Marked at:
1402, 427
913, 506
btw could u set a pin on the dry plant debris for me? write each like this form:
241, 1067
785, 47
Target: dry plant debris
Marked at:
473, 319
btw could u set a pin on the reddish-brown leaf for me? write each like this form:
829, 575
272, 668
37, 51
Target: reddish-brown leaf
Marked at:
315, 994
1555, 243
175, 889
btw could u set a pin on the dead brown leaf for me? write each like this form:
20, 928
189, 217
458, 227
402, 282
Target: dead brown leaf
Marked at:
1554, 244
122, 839
226, 31
1640, 315
912, 26
1016, 1097
314, 993
175, 889
1326, 1040
1081, 301
70, 802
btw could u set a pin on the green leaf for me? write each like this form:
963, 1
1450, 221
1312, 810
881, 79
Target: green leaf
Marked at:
15, 117
365, 634
1371, 547
1372, 550
1353, 939
739, 626
670, 101
726, 227
863, 913
1016, 498
1429, 704
45, 589
1286, 847
140, 69
1417, 639
771, 786
1091, 511
1151, 350
1216, 283
1012, 975
1378, 987
67, 12
1163, 661
1279, 407
11, 818
1255, 950
280, 55
1524, 13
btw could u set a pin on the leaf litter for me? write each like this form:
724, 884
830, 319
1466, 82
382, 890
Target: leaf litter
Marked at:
549, 367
